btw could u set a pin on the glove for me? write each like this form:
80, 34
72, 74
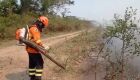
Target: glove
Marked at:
47, 47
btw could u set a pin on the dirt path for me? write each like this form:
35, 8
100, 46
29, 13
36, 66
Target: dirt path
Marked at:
14, 60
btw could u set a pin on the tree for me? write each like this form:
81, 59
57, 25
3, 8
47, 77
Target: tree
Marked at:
48, 6
126, 30
25, 5
9, 6
43, 6
36, 6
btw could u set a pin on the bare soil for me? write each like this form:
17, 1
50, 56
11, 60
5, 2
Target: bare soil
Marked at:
14, 60
14, 63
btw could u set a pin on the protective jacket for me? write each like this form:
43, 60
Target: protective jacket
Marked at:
34, 35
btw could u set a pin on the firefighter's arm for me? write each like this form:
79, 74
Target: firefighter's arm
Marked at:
36, 35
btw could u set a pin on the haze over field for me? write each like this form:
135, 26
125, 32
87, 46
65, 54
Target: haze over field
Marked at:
101, 10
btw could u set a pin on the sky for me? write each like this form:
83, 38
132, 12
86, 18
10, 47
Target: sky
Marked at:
101, 10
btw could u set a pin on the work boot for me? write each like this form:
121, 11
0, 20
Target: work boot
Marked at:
38, 78
32, 78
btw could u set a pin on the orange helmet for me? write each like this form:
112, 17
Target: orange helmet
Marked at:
44, 20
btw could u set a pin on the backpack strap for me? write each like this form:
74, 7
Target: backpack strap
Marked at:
26, 36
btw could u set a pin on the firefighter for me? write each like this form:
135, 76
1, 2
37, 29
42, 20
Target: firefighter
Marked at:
33, 33
35, 58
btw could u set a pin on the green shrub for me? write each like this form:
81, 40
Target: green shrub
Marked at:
9, 24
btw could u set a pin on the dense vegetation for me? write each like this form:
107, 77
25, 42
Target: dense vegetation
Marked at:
19, 13
124, 31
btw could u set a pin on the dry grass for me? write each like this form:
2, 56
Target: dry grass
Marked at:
75, 53
8, 25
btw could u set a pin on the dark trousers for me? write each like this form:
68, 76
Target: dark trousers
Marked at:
35, 66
